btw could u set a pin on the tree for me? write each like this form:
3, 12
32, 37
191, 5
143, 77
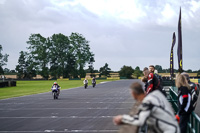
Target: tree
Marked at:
137, 72
198, 73
3, 60
12, 71
71, 67
168, 70
82, 52
20, 68
59, 55
59, 48
105, 70
6, 70
189, 71
1, 70
158, 68
91, 67
126, 71
39, 53
26, 68
30, 70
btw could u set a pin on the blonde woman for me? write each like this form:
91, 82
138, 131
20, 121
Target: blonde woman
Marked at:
184, 100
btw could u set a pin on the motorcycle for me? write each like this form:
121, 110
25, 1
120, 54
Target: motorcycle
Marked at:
85, 85
93, 84
55, 92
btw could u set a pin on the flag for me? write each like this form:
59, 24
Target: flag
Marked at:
179, 51
172, 56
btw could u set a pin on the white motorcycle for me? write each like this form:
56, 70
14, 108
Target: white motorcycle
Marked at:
55, 92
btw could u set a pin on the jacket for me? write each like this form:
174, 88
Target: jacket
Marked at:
157, 112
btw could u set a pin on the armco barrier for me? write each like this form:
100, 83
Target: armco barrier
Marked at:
123, 78
168, 83
113, 78
7, 84
194, 122
64, 79
74, 78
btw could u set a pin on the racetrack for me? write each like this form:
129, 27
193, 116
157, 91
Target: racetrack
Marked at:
76, 110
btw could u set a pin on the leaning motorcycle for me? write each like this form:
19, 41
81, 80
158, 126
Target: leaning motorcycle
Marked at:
55, 92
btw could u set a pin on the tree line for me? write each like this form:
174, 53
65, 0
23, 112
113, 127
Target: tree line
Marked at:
66, 56
58, 55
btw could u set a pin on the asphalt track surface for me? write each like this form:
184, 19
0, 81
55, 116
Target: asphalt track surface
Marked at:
77, 110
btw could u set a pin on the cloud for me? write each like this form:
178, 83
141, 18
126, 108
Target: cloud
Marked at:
195, 6
130, 32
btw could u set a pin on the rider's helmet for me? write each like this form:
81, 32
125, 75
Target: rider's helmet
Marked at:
55, 83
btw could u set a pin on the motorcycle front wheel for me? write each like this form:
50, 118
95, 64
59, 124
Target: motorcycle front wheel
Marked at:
54, 95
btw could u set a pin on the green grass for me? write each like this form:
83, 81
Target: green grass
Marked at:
35, 87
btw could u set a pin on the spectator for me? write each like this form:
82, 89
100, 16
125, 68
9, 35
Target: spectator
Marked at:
155, 110
155, 72
184, 101
145, 81
153, 82
192, 85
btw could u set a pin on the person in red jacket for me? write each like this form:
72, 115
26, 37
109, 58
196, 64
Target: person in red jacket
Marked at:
153, 82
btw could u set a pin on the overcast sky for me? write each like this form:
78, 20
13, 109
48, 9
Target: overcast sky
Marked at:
121, 32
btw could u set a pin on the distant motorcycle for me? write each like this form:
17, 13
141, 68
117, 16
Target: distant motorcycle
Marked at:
85, 86
85, 82
93, 84
55, 92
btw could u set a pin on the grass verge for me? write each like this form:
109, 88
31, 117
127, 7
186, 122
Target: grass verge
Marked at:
35, 87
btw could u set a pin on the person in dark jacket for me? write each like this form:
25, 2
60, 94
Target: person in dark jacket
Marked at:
194, 90
184, 101
159, 77
192, 85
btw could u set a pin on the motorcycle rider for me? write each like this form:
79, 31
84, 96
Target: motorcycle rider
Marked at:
55, 84
93, 80
85, 82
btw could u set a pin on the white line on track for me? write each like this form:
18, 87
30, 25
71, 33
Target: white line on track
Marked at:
63, 108
58, 101
66, 130
54, 117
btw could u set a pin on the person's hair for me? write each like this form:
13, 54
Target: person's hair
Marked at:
136, 87
145, 69
186, 76
182, 81
144, 79
152, 66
